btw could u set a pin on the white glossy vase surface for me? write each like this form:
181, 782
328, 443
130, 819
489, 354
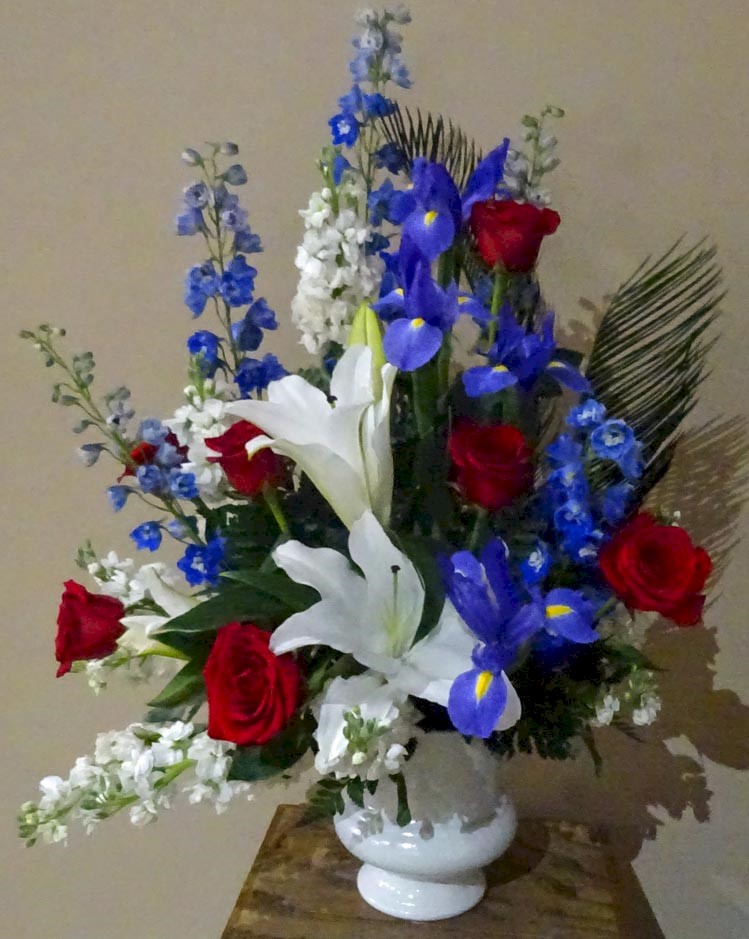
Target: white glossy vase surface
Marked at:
431, 868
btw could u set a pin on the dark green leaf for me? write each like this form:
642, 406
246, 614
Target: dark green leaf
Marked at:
355, 790
403, 816
278, 585
422, 553
279, 754
186, 685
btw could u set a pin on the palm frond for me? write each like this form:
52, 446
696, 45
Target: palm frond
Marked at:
433, 138
649, 356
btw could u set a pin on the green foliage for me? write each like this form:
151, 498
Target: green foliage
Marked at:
325, 798
432, 138
423, 554
649, 355
403, 816
252, 764
186, 687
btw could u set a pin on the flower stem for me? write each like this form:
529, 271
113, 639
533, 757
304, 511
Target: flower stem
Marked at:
271, 500
500, 288
478, 532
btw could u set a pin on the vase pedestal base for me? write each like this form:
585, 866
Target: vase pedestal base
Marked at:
417, 899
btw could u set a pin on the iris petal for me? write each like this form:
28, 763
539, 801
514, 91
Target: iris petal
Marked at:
433, 231
477, 700
409, 344
487, 379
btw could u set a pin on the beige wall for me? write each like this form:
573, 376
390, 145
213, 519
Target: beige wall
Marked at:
98, 99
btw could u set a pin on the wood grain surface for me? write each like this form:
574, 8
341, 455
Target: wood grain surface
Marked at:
558, 880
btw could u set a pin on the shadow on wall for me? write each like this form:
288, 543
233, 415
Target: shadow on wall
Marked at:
641, 780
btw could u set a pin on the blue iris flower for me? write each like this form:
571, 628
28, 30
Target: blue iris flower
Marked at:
485, 179
431, 210
205, 346
147, 536
615, 440
203, 564
429, 311
254, 375
478, 697
520, 358
344, 128
561, 612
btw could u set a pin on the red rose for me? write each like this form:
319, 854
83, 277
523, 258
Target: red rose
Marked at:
656, 567
510, 233
247, 475
88, 626
492, 464
252, 693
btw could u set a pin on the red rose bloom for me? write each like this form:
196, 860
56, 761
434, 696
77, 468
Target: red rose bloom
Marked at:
247, 475
657, 568
510, 233
252, 693
88, 626
492, 464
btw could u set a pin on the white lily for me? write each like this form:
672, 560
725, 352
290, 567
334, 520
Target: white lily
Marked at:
341, 442
375, 617
141, 628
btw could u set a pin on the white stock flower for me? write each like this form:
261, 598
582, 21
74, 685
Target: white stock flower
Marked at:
606, 709
341, 442
647, 712
115, 578
388, 720
336, 273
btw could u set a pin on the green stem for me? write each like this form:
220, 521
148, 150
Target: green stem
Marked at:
500, 288
270, 495
425, 391
478, 532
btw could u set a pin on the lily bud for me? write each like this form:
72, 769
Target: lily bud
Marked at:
366, 331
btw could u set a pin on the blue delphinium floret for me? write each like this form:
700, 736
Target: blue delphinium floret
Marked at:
254, 375
202, 282
206, 347
344, 129
238, 282
147, 536
150, 477
203, 564
615, 440
182, 485
118, 496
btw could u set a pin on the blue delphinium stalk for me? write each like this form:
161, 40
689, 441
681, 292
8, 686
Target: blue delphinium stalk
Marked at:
225, 280
254, 375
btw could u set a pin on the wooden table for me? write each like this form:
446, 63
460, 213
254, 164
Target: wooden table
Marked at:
558, 880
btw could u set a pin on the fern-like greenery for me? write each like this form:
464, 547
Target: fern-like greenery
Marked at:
434, 139
649, 356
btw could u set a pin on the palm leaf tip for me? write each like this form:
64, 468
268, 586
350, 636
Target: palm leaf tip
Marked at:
434, 139
649, 357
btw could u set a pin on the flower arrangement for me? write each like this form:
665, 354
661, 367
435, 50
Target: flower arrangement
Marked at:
437, 526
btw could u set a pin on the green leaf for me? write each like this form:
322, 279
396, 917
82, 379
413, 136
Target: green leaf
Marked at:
186, 685
403, 816
277, 585
233, 603
649, 356
355, 790
279, 754
434, 139
422, 553
325, 799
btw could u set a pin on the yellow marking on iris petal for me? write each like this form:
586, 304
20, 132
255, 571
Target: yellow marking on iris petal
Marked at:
462, 300
556, 364
558, 609
417, 322
483, 683
429, 217
500, 368
399, 291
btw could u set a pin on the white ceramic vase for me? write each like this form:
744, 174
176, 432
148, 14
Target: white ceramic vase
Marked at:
431, 868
